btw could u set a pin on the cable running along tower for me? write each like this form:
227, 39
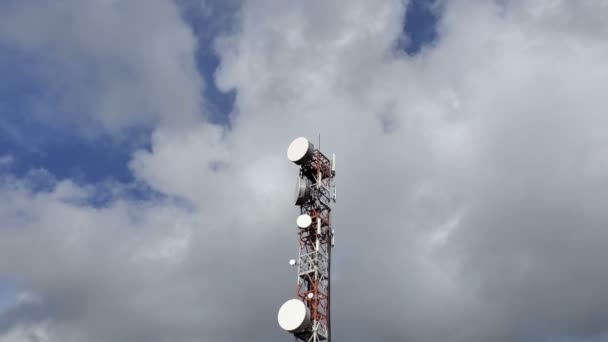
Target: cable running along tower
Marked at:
307, 316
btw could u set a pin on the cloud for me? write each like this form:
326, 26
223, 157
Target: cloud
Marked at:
470, 179
6, 160
109, 65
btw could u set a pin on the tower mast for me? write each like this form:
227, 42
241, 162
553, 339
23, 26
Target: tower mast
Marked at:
308, 316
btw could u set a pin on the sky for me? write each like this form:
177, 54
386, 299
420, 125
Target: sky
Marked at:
145, 193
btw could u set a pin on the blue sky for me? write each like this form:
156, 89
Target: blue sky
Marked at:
40, 141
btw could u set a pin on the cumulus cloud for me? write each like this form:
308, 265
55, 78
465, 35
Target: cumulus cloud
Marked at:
470, 178
109, 65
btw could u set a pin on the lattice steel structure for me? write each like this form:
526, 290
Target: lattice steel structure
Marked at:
315, 247
314, 195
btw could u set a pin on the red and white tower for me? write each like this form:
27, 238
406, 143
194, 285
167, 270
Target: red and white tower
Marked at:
308, 316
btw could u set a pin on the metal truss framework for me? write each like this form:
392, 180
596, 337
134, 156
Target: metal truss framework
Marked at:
315, 243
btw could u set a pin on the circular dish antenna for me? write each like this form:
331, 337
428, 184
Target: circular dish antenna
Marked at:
302, 191
300, 150
304, 221
294, 316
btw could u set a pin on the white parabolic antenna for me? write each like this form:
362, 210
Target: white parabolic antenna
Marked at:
302, 191
300, 150
294, 316
304, 221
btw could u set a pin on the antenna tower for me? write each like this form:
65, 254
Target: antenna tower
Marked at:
307, 316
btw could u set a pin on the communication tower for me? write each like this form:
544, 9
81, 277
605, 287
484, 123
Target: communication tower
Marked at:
307, 316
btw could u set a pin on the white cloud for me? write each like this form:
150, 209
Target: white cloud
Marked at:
114, 64
25, 334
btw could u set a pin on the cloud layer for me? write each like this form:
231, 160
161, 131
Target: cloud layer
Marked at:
470, 175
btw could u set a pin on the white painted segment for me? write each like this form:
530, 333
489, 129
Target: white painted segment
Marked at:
317, 243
